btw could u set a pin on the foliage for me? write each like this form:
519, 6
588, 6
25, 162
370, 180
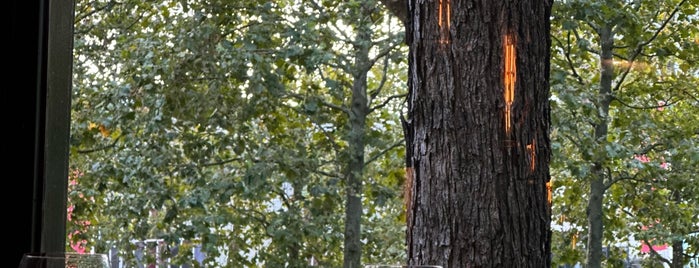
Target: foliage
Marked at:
648, 151
223, 124
220, 124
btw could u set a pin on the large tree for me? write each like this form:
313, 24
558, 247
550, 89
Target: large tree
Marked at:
624, 128
477, 133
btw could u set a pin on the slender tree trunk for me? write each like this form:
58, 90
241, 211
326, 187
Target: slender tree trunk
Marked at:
677, 244
480, 155
594, 217
677, 254
358, 112
296, 211
597, 186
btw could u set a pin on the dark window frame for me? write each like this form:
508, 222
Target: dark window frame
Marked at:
37, 123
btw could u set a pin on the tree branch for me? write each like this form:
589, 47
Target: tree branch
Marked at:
592, 25
222, 162
321, 102
374, 93
227, 33
386, 101
327, 174
656, 254
384, 151
618, 179
691, 95
98, 9
284, 198
576, 142
641, 46
260, 219
108, 146
597, 53
628, 213
690, 256
650, 148
566, 52
643, 107
327, 135
382, 53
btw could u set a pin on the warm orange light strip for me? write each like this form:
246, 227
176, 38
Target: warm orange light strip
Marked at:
510, 78
443, 31
448, 14
531, 148
549, 190
441, 11
439, 21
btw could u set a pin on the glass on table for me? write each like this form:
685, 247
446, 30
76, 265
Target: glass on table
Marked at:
64, 260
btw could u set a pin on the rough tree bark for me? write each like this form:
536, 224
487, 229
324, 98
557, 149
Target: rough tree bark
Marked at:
479, 196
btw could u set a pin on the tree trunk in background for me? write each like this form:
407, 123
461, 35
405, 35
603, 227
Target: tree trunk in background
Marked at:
479, 196
597, 185
677, 244
677, 254
358, 112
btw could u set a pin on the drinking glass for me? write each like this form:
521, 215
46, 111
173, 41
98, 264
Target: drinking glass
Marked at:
64, 260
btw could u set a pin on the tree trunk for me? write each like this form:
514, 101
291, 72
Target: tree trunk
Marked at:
597, 186
594, 220
677, 254
358, 112
677, 244
478, 133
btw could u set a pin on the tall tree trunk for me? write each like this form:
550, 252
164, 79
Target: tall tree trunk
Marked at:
677, 244
478, 133
358, 112
597, 186
296, 211
677, 254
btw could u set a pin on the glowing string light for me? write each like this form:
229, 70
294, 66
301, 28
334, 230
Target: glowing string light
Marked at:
510, 78
531, 148
444, 19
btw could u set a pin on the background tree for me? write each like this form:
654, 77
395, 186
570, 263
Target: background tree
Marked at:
622, 71
236, 132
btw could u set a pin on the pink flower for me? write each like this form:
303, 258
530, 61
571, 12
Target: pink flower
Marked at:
664, 165
70, 212
643, 158
661, 105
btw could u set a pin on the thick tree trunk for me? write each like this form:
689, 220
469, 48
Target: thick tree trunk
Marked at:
479, 195
597, 186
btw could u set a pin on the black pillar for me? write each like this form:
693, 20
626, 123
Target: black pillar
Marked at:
36, 120
20, 111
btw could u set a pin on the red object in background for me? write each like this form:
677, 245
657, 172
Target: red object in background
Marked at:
646, 249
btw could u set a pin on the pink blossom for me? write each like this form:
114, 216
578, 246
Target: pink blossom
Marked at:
646, 249
661, 105
70, 212
643, 158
